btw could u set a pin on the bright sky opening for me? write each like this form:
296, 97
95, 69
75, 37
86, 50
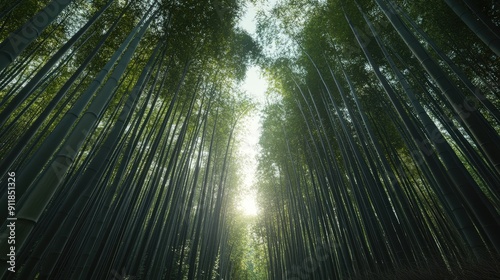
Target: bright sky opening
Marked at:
255, 86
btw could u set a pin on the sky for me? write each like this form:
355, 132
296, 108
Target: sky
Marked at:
255, 85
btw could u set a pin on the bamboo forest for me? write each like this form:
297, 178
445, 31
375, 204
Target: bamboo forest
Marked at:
250, 139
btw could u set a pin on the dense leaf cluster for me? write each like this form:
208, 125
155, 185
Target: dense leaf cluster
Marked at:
119, 119
380, 150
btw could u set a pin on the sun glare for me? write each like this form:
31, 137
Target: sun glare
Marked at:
248, 205
255, 86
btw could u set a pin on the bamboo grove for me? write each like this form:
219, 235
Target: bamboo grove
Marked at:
382, 150
118, 121
380, 145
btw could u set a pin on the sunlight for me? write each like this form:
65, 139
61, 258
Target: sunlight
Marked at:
248, 205
255, 87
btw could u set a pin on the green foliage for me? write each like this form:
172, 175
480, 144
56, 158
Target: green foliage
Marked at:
355, 177
162, 159
343, 154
